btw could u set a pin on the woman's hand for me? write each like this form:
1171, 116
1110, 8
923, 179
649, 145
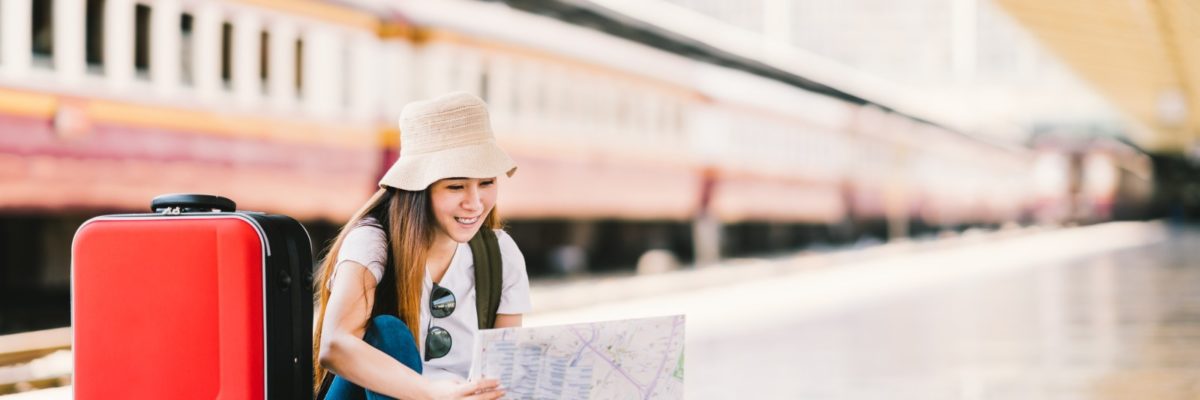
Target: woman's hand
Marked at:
483, 389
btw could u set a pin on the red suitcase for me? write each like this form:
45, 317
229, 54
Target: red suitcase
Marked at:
194, 301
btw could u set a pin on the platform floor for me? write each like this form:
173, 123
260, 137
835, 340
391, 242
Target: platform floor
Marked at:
1101, 312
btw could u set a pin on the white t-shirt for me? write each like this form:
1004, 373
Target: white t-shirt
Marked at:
366, 245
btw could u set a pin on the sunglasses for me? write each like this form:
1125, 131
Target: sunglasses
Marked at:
437, 340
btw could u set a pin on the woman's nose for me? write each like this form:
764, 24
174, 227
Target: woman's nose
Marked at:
473, 201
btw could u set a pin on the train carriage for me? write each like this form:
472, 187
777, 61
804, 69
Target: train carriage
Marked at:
107, 103
625, 146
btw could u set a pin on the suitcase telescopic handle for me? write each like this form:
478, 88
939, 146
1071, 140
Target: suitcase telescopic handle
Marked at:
182, 202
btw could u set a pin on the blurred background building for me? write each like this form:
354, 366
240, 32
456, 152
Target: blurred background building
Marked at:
649, 134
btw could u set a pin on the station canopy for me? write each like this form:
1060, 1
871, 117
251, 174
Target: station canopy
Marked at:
1143, 55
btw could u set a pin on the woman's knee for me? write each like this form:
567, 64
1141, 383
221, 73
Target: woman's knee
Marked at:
391, 335
389, 326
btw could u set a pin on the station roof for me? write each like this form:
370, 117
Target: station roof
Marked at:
1144, 56
590, 15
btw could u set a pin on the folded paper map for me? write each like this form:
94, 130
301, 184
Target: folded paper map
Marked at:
625, 359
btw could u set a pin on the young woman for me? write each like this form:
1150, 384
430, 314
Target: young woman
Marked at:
396, 310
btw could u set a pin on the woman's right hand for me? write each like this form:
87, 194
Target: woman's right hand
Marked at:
483, 389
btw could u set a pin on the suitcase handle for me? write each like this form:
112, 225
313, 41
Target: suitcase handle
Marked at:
184, 202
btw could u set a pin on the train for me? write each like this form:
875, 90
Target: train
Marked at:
625, 146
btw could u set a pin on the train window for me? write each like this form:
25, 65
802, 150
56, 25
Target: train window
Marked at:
347, 73
594, 105
483, 82
651, 118
621, 117
680, 123
637, 114
451, 71
661, 120
186, 22
676, 117
611, 106
264, 60
94, 29
676, 120
141, 29
299, 68
628, 122
645, 117
680, 120
666, 106
574, 102
42, 30
502, 80
587, 105
531, 91
658, 118
542, 89
571, 100
227, 54
655, 119
548, 101
514, 91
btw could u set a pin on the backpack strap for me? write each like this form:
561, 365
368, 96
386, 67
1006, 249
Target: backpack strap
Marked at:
489, 271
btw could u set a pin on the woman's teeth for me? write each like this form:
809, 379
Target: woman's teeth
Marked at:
466, 221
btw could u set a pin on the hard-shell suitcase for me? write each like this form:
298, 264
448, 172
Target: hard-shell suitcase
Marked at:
193, 301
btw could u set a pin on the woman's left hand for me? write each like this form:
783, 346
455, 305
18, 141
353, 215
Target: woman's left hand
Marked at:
483, 389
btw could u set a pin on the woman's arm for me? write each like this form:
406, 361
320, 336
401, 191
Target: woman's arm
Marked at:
508, 320
343, 351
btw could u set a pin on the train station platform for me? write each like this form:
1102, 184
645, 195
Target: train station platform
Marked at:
837, 276
1106, 311
1101, 311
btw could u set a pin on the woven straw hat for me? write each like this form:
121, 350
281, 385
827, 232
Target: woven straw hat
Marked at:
447, 137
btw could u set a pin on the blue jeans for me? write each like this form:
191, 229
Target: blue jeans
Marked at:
391, 335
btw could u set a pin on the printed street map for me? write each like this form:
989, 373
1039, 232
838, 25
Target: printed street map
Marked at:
626, 359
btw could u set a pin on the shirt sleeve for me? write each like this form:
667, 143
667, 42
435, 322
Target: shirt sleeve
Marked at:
514, 298
367, 246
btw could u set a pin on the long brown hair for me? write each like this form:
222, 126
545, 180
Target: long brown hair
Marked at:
408, 221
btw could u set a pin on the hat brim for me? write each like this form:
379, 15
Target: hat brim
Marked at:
416, 172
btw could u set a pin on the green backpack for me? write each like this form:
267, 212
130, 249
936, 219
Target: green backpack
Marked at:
489, 271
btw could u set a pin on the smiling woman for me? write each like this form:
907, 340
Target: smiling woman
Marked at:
388, 323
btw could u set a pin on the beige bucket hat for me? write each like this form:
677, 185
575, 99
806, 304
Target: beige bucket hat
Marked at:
446, 137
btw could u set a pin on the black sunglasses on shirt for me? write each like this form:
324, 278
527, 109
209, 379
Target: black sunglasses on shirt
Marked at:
437, 339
